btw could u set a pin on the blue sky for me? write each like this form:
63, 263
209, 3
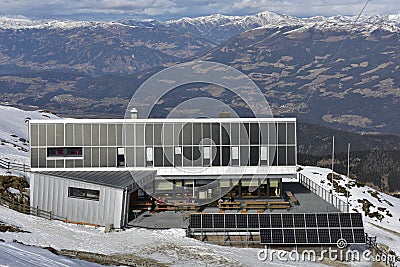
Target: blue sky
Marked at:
171, 9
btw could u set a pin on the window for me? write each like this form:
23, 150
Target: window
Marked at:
90, 194
64, 152
235, 152
206, 152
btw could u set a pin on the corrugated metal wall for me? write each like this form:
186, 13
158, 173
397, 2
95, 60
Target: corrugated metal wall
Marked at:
50, 193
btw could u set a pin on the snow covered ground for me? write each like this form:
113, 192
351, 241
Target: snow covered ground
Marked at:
383, 206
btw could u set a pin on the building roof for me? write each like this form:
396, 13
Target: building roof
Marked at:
117, 179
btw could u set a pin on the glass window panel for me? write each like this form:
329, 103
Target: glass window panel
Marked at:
234, 136
187, 156
206, 152
168, 156
244, 136
78, 163
87, 157
264, 133
119, 135
60, 163
157, 134
78, 135
95, 157
87, 134
187, 134
178, 134
225, 133
95, 134
149, 134
129, 134
103, 157
149, 154
291, 134
206, 133
130, 157
273, 158
196, 133
112, 157
281, 156
272, 135
254, 134
158, 157
291, 156
254, 155
51, 135
69, 163
178, 150
69, 134
112, 139
264, 153
215, 133
42, 157
235, 152
282, 133
226, 155
34, 135
216, 153
42, 134
140, 159
103, 134
34, 157
139, 134
168, 134
60, 135
197, 161
244, 155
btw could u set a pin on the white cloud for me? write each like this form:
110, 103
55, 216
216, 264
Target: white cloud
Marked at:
178, 8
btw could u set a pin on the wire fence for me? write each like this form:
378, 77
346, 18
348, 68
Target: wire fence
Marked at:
328, 196
8, 165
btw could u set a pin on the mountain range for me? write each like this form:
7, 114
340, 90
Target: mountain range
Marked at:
340, 72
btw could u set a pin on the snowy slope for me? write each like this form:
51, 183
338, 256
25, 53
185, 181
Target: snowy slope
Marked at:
13, 129
170, 247
381, 213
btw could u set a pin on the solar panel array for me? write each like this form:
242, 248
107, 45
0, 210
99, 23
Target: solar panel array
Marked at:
287, 228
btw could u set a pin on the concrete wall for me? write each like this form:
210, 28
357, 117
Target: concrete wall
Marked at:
50, 193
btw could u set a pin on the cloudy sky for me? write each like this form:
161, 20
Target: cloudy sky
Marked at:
170, 9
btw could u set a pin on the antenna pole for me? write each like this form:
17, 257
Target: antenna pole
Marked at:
333, 160
348, 177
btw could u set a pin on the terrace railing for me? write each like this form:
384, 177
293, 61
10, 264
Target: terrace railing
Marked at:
328, 196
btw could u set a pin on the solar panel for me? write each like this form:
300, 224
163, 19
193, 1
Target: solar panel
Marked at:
195, 220
324, 237
241, 220
265, 236
288, 236
335, 235
265, 221
347, 234
219, 221
322, 220
207, 221
276, 221
277, 236
312, 236
359, 236
287, 220
253, 221
301, 237
356, 220
299, 221
310, 220
230, 221
333, 219
345, 220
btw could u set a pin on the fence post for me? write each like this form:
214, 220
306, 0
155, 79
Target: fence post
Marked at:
51, 217
37, 211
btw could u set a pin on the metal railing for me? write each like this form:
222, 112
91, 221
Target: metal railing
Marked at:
323, 193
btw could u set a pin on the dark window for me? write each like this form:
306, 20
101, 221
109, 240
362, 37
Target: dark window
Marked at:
64, 152
83, 193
